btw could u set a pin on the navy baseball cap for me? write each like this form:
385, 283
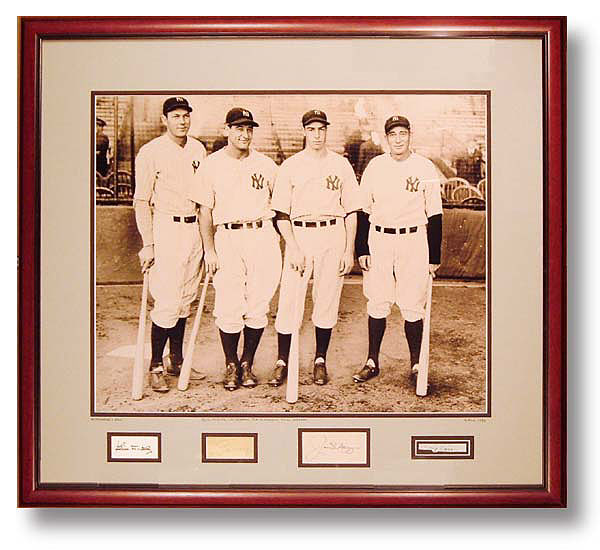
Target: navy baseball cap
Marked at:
314, 115
396, 120
176, 103
240, 116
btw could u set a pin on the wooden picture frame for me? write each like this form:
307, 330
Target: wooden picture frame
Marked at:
549, 32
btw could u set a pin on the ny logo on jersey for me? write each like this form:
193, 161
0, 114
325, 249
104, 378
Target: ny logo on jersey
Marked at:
333, 183
195, 165
258, 181
412, 185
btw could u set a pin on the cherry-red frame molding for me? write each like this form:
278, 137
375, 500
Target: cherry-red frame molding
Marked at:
550, 30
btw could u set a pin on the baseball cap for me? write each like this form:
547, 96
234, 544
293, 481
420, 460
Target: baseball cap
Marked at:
314, 115
396, 120
176, 103
100, 121
237, 115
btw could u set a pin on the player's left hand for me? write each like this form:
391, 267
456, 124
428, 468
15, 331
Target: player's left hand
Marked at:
346, 264
433, 268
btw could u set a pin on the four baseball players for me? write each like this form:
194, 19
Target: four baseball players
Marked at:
314, 197
167, 221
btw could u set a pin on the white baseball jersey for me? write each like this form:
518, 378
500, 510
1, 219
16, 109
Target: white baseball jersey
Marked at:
237, 190
400, 193
164, 172
316, 188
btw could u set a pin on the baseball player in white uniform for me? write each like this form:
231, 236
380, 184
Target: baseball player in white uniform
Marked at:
234, 193
316, 198
168, 224
399, 244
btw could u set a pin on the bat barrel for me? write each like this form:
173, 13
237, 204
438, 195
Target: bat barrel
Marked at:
423, 374
186, 368
291, 392
137, 384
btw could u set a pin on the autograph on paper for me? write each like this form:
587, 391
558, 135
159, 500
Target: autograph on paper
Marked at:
134, 447
334, 447
124, 446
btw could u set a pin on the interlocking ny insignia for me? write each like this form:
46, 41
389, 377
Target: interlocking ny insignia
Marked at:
333, 183
258, 181
412, 185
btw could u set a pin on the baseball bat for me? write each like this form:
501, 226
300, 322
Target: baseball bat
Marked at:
423, 372
291, 389
137, 384
186, 368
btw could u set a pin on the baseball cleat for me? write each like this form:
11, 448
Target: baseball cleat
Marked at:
157, 379
320, 372
279, 374
414, 373
248, 379
370, 370
174, 365
231, 381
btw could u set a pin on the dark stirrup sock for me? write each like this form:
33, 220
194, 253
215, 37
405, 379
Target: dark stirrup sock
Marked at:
229, 341
322, 337
176, 339
251, 339
158, 338
283, 346
376, 332
414, 335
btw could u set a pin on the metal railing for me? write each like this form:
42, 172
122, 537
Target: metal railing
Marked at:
111, 190
459, 193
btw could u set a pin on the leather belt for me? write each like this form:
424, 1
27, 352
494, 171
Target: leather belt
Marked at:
322, 223
186, 219
396, 230
245, 225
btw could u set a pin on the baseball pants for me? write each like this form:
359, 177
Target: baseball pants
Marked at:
398, 274
174, 276
323, 248
247, 278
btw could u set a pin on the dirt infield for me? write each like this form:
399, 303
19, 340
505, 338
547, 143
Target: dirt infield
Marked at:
457, 365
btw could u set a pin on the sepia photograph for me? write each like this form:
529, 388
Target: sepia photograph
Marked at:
281, 253
333, 276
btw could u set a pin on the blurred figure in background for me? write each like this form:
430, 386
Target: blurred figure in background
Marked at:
102, 148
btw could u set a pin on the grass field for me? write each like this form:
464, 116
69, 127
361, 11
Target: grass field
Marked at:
457, 373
